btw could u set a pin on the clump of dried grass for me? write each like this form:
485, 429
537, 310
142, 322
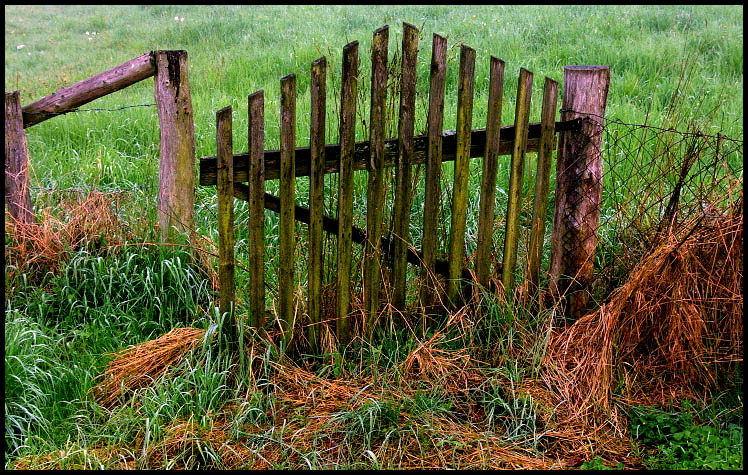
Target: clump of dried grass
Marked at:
43, 245
138, 366
672, 327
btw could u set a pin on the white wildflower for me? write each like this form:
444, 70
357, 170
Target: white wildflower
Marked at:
181, 19
87, 33
176, 18
19, 46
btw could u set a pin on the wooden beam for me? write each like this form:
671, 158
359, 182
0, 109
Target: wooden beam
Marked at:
83, 92
362, 153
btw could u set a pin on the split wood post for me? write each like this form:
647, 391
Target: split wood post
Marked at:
401, 206
579, 169
256, 185
287, 232
542, 180
224, 146
347, 135
176, 177
432, 193
521, 123
318, 95
490, 169
375, 185
17, 193
461, 169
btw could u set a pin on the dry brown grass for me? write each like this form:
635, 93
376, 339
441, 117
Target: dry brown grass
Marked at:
668, 332
44, 245
139, 366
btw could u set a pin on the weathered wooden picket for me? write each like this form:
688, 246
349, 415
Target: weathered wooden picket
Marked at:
229, 171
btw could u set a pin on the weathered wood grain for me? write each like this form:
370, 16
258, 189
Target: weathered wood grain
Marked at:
516, 176
17, 194
466, 83
224, 147
256, 222
287, 231
490, 169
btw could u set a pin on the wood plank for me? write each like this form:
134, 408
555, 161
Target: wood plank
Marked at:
347, 136
287, 231
490, 170
432, 197
542, 183
17, 193
401, 206
256, 141
362, 153
316, 195
466, 83
83, 92
224, 147
521, 121
375, 186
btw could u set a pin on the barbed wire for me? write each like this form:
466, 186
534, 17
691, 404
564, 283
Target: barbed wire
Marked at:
97, 109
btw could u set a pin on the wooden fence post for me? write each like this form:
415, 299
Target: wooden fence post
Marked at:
287, 234
17, 195
176, 177
224, 145
347, 137
579, 184
256, 198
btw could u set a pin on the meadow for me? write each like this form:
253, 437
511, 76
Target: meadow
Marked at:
456, 399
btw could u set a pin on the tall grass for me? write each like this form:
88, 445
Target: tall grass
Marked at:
463, 395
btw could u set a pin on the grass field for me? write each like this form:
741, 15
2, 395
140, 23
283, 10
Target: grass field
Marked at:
675, 66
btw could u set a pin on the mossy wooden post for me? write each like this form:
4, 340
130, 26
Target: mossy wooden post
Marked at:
318, 95
287, 234
490, 169
375, 186
579, 182
17, 194
432, 193
176, 178
461, 169
256, 179
347, 136
542, 180
401, 206
516, 175
225, 185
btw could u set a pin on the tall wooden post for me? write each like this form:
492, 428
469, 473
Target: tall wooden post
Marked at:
224, 146
17, 195
176, 177
579, 171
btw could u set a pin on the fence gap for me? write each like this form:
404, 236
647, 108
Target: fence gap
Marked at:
375, 186
521, 123
461, 171
345, 188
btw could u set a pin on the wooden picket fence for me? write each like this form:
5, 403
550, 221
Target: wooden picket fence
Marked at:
243, 175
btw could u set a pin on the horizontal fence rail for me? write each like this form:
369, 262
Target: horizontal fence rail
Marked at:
362, 152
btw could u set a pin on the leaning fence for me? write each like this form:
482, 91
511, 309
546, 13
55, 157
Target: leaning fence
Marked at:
440, 279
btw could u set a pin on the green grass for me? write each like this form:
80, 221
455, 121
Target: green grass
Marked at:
60, 329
